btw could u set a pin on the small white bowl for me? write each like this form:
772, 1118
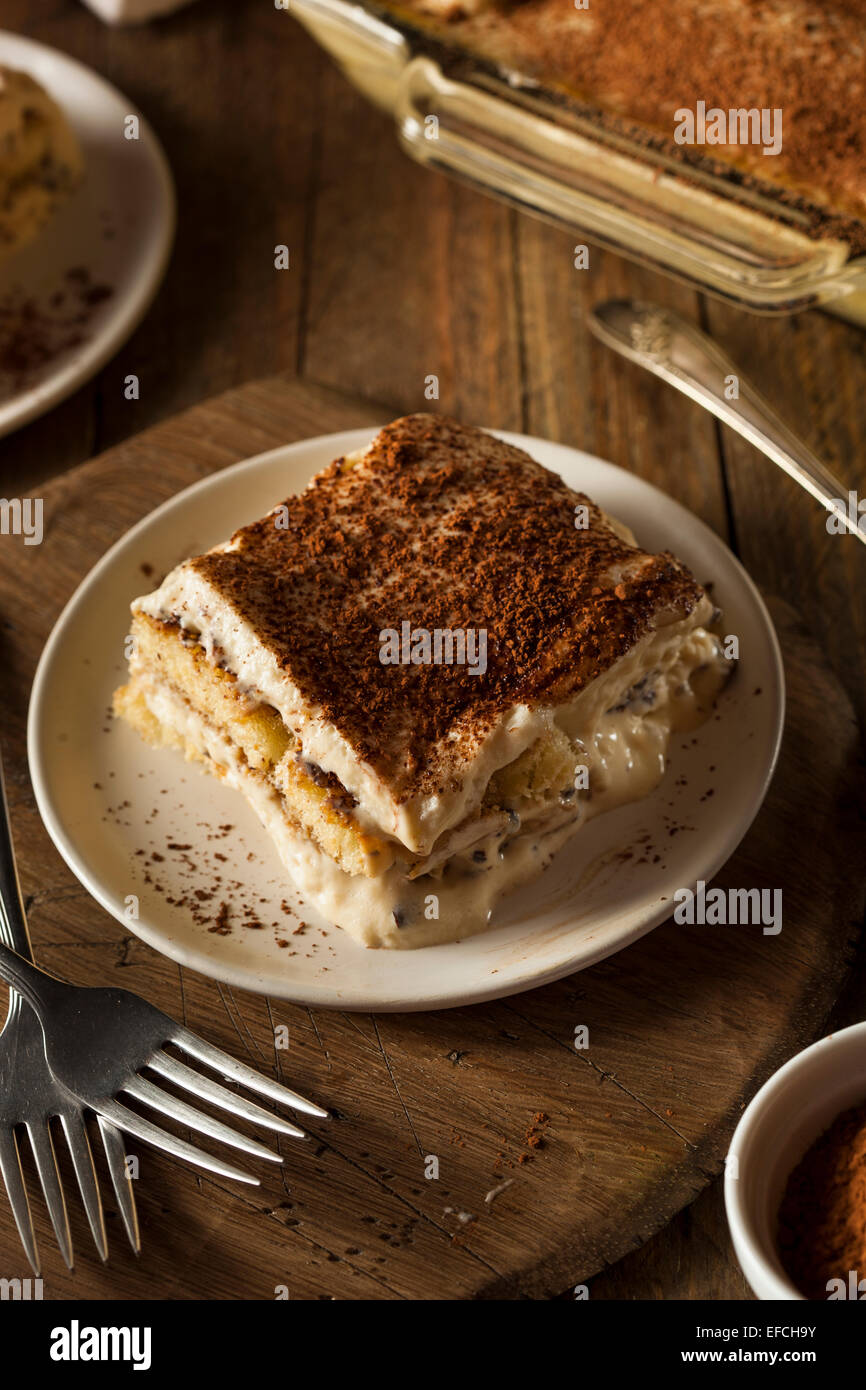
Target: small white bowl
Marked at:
791, 1110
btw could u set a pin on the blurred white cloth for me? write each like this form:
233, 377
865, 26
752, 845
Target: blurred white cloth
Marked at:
133, 11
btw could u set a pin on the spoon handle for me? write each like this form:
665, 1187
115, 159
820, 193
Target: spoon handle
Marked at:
685, 357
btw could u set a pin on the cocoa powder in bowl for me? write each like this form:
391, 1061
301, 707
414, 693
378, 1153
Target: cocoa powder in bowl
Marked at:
822, 1218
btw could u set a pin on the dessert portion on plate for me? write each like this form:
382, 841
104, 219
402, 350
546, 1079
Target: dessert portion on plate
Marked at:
798, 66
40, 159
425, 672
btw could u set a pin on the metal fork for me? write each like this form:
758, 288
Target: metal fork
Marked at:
92, 1046
99, 1042
31, 1098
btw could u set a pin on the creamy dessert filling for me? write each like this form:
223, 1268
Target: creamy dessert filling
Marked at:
404, 799
40, 158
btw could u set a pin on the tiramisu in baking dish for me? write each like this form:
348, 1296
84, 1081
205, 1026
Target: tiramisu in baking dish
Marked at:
425, 672
789, 76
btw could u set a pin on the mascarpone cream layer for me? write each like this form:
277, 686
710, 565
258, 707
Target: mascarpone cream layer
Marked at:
456, 891
418, 821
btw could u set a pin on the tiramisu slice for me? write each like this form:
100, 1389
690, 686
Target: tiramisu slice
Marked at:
40, 159
424, 673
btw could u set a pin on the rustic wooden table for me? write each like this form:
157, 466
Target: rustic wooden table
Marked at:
398, 273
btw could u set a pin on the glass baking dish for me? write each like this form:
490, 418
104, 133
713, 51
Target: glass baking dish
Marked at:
543, 151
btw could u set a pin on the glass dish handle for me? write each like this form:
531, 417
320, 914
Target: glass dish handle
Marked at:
511, 150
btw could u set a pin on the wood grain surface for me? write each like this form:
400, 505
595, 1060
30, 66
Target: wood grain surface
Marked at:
397, 273
552, 1162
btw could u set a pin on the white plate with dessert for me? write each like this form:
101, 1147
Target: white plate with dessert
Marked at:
468, 737
87, 215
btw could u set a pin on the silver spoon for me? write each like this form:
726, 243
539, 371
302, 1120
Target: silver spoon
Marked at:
682, 355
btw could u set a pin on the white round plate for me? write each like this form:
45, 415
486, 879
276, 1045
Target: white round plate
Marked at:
118, 226
111, 803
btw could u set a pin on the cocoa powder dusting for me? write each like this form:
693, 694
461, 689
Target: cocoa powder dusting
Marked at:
221, 923
441, 526
35, 331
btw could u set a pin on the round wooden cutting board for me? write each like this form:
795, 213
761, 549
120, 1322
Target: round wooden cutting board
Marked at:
475, 1152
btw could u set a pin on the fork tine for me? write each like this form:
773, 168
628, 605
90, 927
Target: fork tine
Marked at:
165, 1104
238, 1071
115, 1153
82, 1160
10, 1170
46, 1164
130, 1123
202, 1086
